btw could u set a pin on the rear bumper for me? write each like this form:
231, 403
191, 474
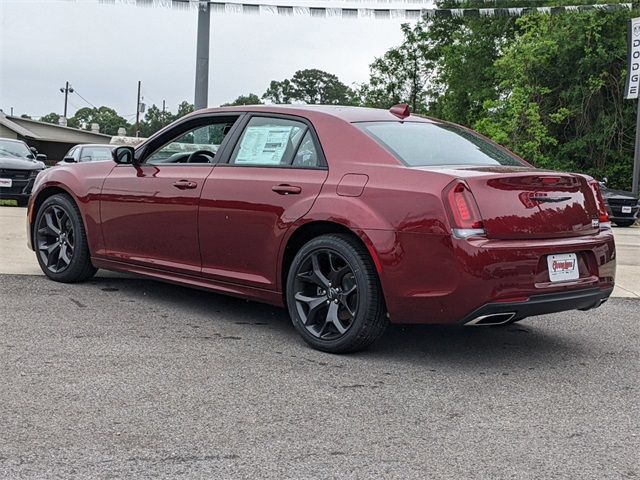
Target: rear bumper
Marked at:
498, 313
437, 279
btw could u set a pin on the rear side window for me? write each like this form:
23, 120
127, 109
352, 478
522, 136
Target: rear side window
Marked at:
269, 142
431, 144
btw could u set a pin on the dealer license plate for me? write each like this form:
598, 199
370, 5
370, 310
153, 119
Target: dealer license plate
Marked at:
6, 182
626, 209
563, 267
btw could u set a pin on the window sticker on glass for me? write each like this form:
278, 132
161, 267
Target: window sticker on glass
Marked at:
264, 145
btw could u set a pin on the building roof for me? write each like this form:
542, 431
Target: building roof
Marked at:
49, 132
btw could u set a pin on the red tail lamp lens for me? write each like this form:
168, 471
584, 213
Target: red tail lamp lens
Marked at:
603, 215
463, 209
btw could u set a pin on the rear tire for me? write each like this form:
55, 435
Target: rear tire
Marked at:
60, 241
624, 223
334, 296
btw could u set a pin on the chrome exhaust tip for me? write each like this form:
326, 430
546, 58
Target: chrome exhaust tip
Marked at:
491, 319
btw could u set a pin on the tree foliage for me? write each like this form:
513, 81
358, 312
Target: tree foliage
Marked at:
107, 119
50, 118
550, 87
311, 86
251, 99
155, 119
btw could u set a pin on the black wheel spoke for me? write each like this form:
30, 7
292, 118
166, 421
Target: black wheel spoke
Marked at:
51, 224
318, 276
333, 318
345, 304
314, 304
64, 255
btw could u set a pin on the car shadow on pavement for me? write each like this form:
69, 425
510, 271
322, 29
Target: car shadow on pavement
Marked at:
533, 342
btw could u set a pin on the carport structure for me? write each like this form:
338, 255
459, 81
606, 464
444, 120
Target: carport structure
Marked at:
50, 139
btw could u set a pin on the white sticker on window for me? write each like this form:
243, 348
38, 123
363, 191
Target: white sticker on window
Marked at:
263, 145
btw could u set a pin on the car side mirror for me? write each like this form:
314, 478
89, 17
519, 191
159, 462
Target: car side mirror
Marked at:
69, 160
124, 156
41, 157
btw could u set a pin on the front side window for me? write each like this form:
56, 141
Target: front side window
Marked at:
95, 154
420, 144
198, 145
269, 142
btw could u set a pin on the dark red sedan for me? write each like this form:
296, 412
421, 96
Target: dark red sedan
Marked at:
349, 217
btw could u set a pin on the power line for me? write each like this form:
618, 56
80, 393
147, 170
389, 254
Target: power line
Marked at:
86, 101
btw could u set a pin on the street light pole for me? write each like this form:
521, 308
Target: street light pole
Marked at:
137, 129
201, 99
66, 90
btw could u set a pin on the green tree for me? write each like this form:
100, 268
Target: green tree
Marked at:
154, 120
401, 74
311, 86
560, 95
251, 99
550, 87
184, 108
51, 118
107, 118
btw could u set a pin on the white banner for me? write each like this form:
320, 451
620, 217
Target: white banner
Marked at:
632, 87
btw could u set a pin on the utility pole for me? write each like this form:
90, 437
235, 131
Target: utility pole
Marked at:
164, 105
66, 90
12, 111
138, 110
201, 99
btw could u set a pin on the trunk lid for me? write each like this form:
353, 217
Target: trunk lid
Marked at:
518, 203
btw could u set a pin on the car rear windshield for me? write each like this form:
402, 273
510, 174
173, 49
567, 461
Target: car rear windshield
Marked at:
419, 144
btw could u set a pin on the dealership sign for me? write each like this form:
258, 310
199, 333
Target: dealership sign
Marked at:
633, 77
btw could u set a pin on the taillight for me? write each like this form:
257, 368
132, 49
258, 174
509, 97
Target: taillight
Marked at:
463, 210
603, 215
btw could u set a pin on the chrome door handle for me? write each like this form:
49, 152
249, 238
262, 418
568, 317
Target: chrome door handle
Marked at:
286, 189
185, 184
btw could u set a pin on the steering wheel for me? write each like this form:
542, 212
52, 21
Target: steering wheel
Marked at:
204, 153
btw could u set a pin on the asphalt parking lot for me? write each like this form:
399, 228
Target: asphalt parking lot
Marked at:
128, 378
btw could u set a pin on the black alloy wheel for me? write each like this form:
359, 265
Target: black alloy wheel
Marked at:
60, 241
55, 239
334, 295
326, 294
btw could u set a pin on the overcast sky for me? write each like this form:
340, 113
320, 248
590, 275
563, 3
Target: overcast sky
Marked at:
103, 50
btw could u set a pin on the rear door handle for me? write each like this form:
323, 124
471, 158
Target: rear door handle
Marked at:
286, 189
185, 184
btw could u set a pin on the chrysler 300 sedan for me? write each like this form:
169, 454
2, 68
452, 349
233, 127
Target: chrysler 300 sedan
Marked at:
349, 217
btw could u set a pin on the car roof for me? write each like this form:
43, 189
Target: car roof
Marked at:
345, 113
96, 145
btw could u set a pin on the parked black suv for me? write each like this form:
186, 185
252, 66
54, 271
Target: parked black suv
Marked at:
622, 206
19, 167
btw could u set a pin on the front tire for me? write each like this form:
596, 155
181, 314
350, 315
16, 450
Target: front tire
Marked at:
334, 296
60, 241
